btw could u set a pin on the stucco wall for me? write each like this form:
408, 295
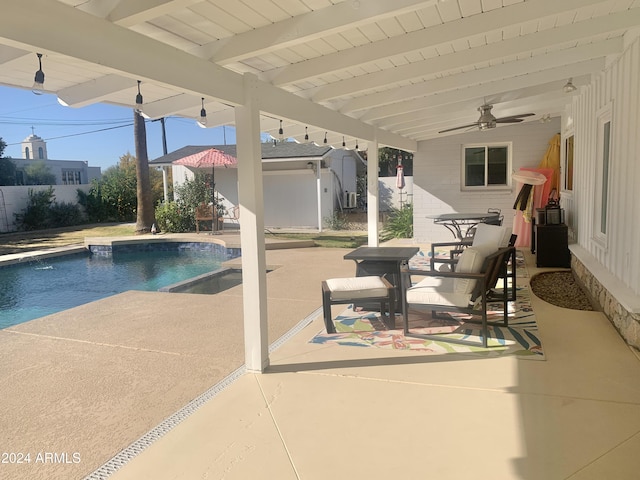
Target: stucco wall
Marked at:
16, 199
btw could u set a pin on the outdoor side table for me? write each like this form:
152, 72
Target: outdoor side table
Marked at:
382, 261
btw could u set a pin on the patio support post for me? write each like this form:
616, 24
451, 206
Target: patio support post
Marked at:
319, 193
250, 195
373, 201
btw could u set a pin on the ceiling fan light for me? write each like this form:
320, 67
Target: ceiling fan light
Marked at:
486, 120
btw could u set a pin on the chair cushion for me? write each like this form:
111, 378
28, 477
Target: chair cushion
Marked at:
352, 288
494, 235
437, 291
470, 261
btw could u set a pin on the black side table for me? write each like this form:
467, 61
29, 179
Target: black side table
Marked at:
552, 245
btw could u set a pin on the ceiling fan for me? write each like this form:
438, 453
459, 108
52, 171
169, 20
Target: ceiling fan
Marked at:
487, 120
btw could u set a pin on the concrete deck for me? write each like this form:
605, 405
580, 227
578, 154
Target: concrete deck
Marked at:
92, 380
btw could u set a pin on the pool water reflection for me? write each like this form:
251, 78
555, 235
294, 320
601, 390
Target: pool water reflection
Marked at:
34, 289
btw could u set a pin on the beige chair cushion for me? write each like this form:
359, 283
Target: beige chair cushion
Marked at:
470, 261
352, 288
438, 291
495, 235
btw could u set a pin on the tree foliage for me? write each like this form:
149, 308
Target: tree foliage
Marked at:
7, 172
179, 215
38, 173
114, 197
388, 159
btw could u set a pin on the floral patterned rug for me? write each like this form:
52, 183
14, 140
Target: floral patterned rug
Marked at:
366, 329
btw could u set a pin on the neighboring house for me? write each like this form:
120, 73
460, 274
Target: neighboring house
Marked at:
303, 183
66, 172
70, 176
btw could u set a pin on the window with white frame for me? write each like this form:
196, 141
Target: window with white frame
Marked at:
603, 168
486, 166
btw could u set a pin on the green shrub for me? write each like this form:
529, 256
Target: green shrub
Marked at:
36, 215
65, 215
399, 224
174, 217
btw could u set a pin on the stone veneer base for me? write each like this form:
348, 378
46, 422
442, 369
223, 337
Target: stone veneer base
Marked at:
625, 321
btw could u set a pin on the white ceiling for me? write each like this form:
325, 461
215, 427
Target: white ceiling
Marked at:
399, 70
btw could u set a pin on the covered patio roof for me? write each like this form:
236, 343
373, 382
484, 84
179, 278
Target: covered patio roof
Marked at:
397, 71
372, 72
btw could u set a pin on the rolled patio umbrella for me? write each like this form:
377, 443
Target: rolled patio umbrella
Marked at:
209, 159
400, 181
400, 177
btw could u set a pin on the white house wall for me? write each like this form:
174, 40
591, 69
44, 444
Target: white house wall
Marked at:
290, 199
618, 86
437, 174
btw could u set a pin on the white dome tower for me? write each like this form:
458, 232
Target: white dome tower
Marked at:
34, 148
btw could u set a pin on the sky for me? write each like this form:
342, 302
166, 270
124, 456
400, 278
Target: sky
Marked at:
99, 134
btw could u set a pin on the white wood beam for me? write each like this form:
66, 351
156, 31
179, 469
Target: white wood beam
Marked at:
281, 104
94, 91
487, 53
8, 54
516, 68
173, 105
421, 39
140, 57
305, 27
128, 52
128, 13
484, 90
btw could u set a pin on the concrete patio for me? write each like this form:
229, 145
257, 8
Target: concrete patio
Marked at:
94, 379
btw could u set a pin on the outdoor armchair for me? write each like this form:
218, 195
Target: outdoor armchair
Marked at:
486, 235
466, 290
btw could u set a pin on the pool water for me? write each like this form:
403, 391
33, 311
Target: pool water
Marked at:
32, 290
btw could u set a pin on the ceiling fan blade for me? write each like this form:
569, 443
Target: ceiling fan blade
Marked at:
511, 117
475, 124
509, 120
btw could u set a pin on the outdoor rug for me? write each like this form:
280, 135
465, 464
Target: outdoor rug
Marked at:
366, 329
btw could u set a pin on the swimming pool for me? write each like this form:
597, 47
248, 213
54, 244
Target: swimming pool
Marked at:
45, 286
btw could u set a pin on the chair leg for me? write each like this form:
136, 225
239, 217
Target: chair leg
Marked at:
326, 307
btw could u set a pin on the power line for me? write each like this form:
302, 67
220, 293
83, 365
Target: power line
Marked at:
78, 134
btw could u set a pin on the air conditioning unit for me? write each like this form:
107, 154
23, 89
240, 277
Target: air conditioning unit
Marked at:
350, 199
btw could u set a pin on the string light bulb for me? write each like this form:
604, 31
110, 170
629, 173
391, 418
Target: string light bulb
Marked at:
38, 81
139, 100
203, 116
281, 133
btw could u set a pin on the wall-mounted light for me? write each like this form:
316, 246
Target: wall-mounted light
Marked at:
312, 166
281, 133
203, 116
38, 81
569, 86
139, 101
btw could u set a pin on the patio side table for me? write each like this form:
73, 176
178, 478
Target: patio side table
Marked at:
382, 261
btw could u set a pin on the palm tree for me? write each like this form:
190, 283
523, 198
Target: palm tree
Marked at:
145, 214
